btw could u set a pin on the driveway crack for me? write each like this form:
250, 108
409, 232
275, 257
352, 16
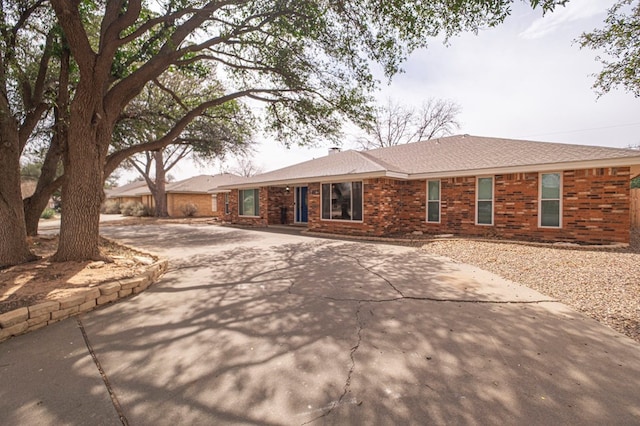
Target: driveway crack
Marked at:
105, 379
371, 271
352, 367
447, 300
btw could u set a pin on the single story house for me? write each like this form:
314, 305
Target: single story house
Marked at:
464, 185
195, 192
131, 192
190, 196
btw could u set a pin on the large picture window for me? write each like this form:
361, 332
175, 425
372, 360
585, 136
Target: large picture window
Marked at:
484, 201
249, 202
342, 201
433, 201
550, 200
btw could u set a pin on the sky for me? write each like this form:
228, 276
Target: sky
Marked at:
525, 79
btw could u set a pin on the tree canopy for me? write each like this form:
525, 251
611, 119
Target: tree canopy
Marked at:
619, 42
308, 62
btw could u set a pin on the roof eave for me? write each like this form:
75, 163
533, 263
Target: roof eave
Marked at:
321, 179
544, 167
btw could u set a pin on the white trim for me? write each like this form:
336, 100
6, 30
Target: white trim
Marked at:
439, 201
493, 203
343, 220
531, 168
525, 168
254, 202
214, 202
560, 199
296, 201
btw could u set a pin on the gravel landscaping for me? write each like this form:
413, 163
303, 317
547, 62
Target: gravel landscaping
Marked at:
602, 283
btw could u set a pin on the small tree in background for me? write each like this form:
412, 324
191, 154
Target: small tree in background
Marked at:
396, 124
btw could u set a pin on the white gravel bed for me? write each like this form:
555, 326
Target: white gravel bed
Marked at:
602, 283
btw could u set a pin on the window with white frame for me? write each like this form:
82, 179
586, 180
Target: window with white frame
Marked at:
249, 202
227, 210
342, 201
433, 201
214, 203
484, 201
550, 206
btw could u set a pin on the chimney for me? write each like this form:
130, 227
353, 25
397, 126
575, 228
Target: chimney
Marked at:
334, 150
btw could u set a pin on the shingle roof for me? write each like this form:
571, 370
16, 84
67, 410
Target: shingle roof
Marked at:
202, 183
465, 152
132, 189
453, 155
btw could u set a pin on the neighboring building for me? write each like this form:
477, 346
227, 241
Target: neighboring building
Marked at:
188, 197
465, 185
131, 192
196, 192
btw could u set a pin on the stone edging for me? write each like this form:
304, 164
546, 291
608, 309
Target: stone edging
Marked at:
24, 320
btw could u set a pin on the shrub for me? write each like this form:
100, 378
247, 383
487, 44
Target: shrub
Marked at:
48, 213
136, 209
140, 210
189, 209
110, 207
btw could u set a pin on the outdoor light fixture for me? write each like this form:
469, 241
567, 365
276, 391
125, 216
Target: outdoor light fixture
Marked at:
287, 189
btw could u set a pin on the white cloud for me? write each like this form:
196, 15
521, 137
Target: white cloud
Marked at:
573, 11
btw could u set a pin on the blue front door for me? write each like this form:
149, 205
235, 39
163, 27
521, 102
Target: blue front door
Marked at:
302, 210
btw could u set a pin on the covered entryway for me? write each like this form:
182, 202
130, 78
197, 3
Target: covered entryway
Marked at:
301, 206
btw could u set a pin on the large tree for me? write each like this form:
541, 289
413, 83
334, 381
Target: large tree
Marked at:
27, 36
151, 115
308, 61
394, 123
619, 42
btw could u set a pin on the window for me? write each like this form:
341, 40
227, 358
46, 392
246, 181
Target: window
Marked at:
214, 203
550, 207
342, 201
249, 202
484, 201
433, 201
226, 203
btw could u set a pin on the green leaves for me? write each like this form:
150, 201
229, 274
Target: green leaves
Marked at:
619, 42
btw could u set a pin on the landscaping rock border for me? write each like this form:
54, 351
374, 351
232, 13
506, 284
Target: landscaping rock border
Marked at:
23, 320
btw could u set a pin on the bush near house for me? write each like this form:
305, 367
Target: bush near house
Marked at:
635, 182
110, 207
189, 209
135, 209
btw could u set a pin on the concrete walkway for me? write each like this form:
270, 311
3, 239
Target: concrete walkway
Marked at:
251, 327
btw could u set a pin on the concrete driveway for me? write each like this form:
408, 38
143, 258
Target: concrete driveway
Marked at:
254, 327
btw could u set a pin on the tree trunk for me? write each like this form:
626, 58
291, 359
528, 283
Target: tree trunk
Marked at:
159, 194
14, 248
34, 205
82, 189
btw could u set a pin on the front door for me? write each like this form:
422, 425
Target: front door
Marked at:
301, 204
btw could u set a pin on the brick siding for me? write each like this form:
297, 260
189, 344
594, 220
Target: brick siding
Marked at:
595, 208
177, 202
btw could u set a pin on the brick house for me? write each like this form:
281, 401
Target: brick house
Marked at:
464, 185
190, 196
195, 193
131, 192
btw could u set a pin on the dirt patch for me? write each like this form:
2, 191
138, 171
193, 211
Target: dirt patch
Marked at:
42, 280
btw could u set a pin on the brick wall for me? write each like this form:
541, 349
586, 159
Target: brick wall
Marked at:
595, 208
176, 203
234, 217
279, 198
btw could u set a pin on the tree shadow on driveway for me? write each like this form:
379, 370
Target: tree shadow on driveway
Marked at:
329, 332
